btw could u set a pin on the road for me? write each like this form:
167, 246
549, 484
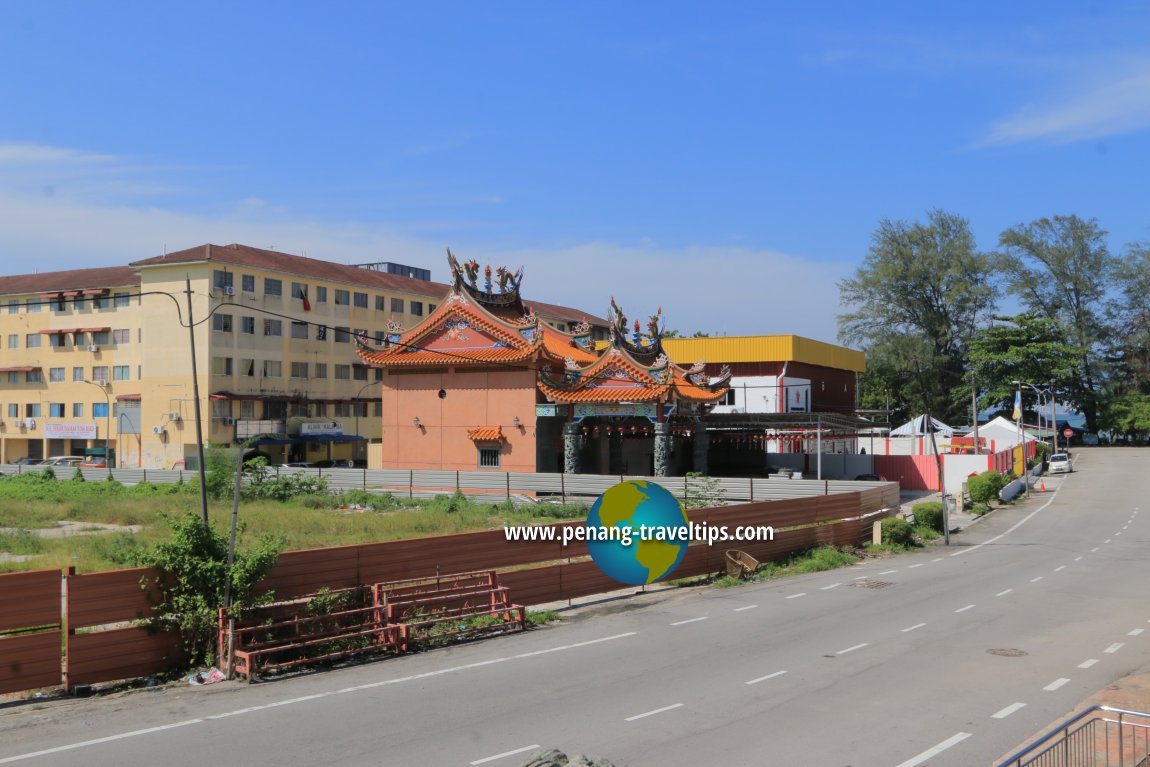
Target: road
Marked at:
941, 657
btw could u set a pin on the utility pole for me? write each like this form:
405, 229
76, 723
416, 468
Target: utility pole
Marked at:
196, 405
941, 480
974, 414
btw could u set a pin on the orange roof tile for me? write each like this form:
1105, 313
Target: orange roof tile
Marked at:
594, 394
486, 434
393, 357
559, 345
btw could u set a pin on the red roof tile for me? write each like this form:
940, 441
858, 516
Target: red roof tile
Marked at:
486, 434
73, 280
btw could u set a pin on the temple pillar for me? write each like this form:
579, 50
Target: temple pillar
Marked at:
700, 443
615, 453
571, 447
662, 448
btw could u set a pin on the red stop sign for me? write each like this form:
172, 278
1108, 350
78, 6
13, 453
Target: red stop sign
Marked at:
1068, 432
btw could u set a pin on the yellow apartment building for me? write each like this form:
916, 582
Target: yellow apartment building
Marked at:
96, 357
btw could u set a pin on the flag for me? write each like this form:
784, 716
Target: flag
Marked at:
303, 297
321, 332
1018, 404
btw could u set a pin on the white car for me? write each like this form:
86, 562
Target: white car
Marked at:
1060, 463
65, 461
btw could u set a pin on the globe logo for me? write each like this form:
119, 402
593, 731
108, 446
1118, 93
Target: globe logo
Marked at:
637, 532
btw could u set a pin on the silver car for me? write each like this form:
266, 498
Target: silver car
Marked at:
1060, 463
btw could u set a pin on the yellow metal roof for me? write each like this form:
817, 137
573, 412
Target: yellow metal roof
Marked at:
782, 348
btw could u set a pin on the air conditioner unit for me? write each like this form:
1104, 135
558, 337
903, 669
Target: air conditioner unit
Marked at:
157, 430
93, 348
229, 421
229, 291
174, 417
30, 423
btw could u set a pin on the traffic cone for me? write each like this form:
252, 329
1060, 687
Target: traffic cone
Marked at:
1042, 486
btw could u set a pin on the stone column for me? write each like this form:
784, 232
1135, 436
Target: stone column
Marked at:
662, 448
700, 443
571, 447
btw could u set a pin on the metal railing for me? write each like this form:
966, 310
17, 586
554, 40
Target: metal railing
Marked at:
1100, 736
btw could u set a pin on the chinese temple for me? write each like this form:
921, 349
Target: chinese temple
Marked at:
483, 383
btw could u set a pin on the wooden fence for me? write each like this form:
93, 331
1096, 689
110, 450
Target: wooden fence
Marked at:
94, 617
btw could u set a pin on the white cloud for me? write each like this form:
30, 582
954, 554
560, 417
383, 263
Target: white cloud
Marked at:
14, 155
1118, 105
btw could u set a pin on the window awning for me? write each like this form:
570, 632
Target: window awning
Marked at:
91, 330
21, 369
486, 434
271, 441
331, 438
54, 331
127, 397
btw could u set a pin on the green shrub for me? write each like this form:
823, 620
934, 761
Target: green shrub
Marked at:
896, 531
985, 487
929, 514
979, 509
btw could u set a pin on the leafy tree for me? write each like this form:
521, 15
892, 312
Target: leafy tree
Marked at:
1061, 268
1128, 327
1028, 347
918, 297
1128, 414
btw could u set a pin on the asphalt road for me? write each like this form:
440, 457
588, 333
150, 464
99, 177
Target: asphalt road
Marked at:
894, 663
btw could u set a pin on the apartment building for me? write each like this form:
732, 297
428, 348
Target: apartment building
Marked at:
97, 357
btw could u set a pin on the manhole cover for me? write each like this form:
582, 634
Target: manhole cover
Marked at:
1007, 652
867, 583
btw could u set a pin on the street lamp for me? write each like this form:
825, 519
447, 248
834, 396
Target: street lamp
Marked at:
103, 387
355, 406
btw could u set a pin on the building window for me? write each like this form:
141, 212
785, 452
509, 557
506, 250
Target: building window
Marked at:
417, 308
248, 368
343, 372
13, 411
247, 408
299, 330
378, 408
34, 376
273, 287
380, 303
121, 300
320, 370
97, 302
378, 374
32, 304
56, 340
121, 336
222, 279
488, 457
77, 373
122, 372
320, 294
359, 372
13, 340
248, 283
99, 409
728, 398
77, 409
55, 375
13, 306
342, 297
299, 370
32, 410
100, 338
273, 327
360, 300
430, 308
100, 373
221, 366
32, 340
397, 305
222, 322
60, 303
298, 290
343, 335
55, 409
273, 369
248, 325
13, 377
274, 411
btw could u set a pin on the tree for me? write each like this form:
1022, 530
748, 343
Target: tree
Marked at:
1061, 268
914, 304
1128, 324
1027, 347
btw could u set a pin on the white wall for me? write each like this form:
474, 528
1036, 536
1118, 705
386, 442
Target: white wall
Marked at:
760, 394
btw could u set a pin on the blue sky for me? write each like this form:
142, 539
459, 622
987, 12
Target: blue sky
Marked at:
728, 162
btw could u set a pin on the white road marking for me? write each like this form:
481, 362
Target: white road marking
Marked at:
1007, 711
796, 596
1107, 540
765, 678
1078, 558
888, 572
936, 559
1087, 663
1114, 647
963, 609
1117, 533
689, 620
652, 713
852, 649
860, 577
1094, 550
912, 628
1017, 525
914, 566
1003, 593
1135, 632
1036, 580
747, 607
1056, 684
1125, 526
934, 751
1060, 568
290, 701
828, 588
504, 754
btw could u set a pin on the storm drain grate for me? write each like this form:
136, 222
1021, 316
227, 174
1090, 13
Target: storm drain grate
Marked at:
867, 583
1007, 652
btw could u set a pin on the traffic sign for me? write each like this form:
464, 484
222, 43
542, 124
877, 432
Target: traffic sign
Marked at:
1068, 432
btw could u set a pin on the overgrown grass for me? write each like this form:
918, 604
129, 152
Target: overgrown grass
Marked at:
537, 618
809, 561
29, 502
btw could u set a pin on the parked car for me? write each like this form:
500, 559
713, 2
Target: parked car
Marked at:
27, 461
1060, 463
63, 461
296, 465
869, 478
340, 463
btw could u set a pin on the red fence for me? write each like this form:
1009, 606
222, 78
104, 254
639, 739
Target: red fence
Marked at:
96, 615
913, 472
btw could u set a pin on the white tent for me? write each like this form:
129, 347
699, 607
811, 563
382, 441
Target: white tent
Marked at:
917, 427
1003, 432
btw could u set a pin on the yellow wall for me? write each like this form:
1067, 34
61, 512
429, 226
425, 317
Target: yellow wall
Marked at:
777, 348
